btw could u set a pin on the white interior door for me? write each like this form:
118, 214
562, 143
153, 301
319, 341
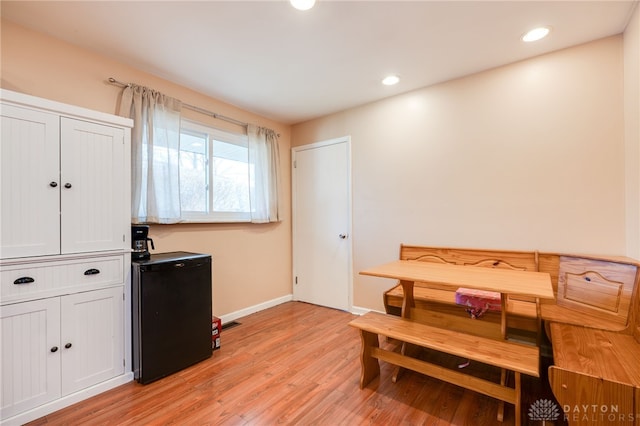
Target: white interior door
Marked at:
322, 223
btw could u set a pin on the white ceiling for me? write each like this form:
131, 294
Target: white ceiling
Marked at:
291, 66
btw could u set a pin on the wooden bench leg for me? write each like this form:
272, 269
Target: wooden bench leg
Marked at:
518, 398
504, 379
503, 382
370, 365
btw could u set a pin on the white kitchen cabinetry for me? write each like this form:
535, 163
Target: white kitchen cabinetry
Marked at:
92, 342
62, 182
65, 255
59, 345
91, 180
30, 355
30, 182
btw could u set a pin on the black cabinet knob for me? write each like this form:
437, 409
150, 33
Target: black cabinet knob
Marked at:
67, 185
53, 184
68, 345
92, 271
24, 280
54, 349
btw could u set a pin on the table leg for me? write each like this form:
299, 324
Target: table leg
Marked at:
407, 350
407, 301
397, 370
539, 323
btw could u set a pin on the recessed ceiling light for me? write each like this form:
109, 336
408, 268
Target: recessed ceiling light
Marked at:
302, 4
390, 80
536, 34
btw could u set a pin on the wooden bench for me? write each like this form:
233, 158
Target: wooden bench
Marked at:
514, 357
593, 325
596, 372
594, 328
522, 312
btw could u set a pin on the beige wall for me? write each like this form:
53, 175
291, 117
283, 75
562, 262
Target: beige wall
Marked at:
632, 130
252, 263
542, 154
526, 156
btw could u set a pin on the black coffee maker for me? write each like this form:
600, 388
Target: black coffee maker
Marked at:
139, 239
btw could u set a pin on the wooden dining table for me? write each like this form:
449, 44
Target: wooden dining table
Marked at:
504, 281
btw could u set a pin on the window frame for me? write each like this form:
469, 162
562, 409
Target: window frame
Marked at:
240, 139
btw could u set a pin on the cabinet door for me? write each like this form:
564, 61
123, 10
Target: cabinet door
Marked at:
30, 355
92, 338
92, 179
30, 183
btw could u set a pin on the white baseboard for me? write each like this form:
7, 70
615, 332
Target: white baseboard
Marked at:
255, 308
357, 310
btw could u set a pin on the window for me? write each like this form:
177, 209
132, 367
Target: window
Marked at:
214, 174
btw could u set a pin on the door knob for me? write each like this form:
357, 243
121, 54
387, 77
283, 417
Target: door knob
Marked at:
67, 185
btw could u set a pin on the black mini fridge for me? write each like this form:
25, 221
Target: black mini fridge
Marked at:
171, 313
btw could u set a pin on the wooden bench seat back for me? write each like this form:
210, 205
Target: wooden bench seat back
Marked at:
597, 292
521, 261
550, 263
599, 288
501, 259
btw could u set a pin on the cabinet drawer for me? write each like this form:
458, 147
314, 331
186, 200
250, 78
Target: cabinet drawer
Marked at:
21, 282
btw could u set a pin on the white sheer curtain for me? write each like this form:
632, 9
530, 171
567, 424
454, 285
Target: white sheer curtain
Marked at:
155, 150
264, 161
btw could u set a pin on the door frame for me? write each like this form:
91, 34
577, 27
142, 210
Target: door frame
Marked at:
294, 187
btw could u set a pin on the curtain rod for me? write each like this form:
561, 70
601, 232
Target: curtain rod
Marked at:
115, 82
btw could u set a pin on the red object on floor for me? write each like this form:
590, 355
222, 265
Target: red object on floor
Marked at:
216, 330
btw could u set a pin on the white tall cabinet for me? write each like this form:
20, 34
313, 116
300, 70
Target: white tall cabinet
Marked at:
65, 308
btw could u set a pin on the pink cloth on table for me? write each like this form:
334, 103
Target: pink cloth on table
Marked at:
477, 302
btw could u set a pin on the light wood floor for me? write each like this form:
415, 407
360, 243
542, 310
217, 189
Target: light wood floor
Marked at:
293, 364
